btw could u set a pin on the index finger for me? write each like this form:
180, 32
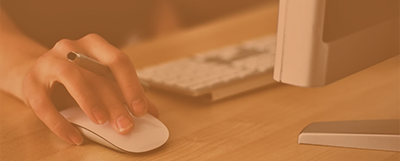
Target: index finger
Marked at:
123, 70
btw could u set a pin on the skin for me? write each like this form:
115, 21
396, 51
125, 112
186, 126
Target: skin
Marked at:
40, 76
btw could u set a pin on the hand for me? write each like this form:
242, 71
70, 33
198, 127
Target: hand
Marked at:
101, 99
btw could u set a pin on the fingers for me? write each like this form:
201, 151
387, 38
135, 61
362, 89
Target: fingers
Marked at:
94, 94
39, 100
119, 116
78, 87
100, 99
37, 85
123, 70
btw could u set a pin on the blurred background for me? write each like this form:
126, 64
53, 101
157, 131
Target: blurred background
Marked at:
121, 22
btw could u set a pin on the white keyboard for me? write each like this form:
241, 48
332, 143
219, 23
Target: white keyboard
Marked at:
218, 73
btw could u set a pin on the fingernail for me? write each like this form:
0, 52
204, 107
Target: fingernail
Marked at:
139, 107
124, 123
100, 115
76, 139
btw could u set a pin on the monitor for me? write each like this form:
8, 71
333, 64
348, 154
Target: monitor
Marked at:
321, 41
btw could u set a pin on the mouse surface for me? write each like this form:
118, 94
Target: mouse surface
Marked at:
148, 133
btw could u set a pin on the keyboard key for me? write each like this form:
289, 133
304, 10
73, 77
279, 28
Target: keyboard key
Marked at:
208, 70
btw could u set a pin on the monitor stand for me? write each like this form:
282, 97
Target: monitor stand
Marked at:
364, 134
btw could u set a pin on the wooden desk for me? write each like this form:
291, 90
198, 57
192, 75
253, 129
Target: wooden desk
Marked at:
259, 125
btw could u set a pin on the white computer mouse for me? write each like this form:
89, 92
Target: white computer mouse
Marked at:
149, 132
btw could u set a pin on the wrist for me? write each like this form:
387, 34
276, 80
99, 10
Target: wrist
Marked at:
15, 65
13, 78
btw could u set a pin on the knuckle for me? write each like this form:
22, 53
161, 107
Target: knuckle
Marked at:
63, 44
91, 36
38, 72
42, 61
118, 58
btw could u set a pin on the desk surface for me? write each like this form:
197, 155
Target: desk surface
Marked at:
258, 125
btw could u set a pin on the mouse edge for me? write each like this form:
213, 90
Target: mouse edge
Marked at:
102, 142
85, 131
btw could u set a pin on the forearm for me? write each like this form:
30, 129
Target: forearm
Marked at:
18, 53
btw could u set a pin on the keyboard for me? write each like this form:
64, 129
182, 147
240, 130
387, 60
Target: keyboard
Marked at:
218, 73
